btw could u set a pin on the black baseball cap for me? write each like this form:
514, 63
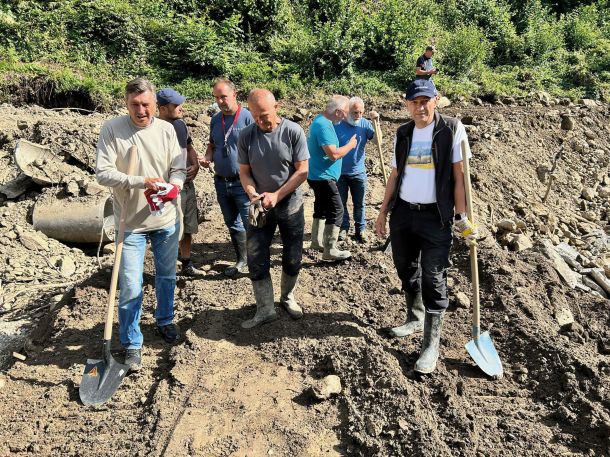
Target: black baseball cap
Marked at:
421, 88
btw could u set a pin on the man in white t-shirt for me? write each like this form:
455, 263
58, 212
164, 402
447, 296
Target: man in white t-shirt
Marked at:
426, 197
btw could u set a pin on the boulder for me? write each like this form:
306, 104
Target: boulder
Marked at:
507, 225
567, 123
327, 387
589, 193
564, 318
520, 242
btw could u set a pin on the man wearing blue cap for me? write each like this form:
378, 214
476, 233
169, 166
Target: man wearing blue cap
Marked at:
170, 109
426, 197
222, 151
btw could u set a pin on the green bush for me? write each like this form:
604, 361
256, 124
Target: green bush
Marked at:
464, 51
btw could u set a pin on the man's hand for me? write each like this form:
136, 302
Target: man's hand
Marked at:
467, 230
269, 199
205, 160
191, 172
151, 183
374, 115
353, 142
380, 224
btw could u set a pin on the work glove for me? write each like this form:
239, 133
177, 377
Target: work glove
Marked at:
466, 229
156, 199
257, 215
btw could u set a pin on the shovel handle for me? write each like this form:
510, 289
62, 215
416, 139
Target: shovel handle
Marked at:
131, 168
474, 270
377, 129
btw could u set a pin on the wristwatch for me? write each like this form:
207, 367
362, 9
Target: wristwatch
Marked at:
460, 216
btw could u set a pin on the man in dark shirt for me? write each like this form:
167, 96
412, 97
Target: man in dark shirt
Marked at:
170, 110
424, 68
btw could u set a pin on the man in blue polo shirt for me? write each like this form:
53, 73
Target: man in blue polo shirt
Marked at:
353, 174
324, 171
222, 151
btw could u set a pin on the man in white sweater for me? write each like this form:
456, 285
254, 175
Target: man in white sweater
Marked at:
160, 160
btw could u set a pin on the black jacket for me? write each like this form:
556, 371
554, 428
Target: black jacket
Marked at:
442, 152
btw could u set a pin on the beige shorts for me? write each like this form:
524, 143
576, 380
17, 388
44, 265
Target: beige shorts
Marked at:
190, 212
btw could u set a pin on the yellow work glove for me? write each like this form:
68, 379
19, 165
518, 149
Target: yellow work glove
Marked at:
466, 229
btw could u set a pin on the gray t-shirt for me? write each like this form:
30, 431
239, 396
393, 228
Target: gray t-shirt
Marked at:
272, 155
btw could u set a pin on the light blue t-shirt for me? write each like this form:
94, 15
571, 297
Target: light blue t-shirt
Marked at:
225, 160
321, 167
353, 161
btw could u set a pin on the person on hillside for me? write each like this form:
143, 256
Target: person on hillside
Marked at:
273, 162
353, 173
225, 128
160, 161
324, 172
426, 197
171, 110
424, 68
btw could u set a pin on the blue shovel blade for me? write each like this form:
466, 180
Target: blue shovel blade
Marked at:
484, 354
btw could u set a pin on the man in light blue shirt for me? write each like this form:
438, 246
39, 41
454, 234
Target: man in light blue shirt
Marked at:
353, 173
324, 171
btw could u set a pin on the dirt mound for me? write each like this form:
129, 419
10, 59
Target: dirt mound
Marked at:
226, 391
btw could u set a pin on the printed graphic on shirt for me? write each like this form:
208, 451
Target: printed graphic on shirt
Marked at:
420, 155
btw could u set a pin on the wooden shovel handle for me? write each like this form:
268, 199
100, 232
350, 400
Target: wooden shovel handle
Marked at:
474, 270
133, 160
377, 129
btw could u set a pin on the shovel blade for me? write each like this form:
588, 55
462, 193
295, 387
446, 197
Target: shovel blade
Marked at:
484, 354
101, 379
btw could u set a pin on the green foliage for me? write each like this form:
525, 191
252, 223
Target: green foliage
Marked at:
367, 47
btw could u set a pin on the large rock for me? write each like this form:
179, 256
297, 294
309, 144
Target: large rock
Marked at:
33, 240
571, 278
327, 387
507, 225
564, 318
520, 242
589, 193
567, 123
443, 102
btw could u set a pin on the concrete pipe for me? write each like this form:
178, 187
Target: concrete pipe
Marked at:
76, 221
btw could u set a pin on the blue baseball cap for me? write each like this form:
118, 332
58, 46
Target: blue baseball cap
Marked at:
421, 88
169, 95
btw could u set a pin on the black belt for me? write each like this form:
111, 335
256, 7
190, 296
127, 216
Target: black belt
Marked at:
229, 179
418, 206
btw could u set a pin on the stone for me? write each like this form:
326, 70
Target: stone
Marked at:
93, 188
591, 284
72, 188
591, 216
33, 241
373, 427
443, 102
507, 225
567, 123
327, 387
22, 125
599, 276
564, 318
66, 266
589, 193
571, 278
109, 249
468, 120
520, 242
588, 103
462, 300
604, 192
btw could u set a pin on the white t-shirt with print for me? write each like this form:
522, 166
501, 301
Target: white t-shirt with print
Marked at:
418, 184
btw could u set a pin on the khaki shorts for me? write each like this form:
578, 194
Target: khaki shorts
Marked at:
190, 212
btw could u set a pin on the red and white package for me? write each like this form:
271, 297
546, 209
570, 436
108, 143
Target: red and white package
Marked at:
156, 199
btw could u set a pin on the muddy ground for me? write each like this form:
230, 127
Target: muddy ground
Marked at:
224, 391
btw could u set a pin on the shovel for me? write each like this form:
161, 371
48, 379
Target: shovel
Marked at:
480, 348
387, 245
101, 378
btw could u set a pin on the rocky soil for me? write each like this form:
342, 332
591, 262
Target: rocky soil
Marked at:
544, 268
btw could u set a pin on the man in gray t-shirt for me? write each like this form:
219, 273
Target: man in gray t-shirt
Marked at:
273, 163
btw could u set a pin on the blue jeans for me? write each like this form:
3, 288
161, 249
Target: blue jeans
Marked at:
234, 204
289, 216
356, 184
164, 243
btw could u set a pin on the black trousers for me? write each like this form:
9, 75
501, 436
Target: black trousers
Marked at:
420, 247
327, 203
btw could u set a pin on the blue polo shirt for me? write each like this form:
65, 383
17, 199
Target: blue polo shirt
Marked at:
353, 161
226, 165
321, 167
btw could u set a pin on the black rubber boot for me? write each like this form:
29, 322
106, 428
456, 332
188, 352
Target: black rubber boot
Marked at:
239, 244
433, 325
415, 316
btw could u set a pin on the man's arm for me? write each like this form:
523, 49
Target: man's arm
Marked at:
459, 191
106, 172
380, 223
177, 168
193, 168
335, 153
247, 182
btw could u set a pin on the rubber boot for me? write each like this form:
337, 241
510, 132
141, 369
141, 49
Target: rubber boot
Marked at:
265, 307
415, 316
287, 299
331, 235
317, 227
239, 244
433, 324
